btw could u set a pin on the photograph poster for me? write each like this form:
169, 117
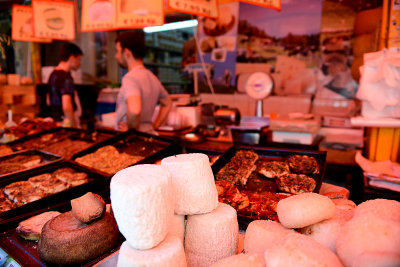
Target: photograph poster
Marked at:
283, 43
217, 41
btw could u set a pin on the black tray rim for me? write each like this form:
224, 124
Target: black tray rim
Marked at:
172, 148
57, 129
54, 158
14, 144
98, 181
319, 155
8, 227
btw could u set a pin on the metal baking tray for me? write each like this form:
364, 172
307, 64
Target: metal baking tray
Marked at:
47, 159
213, 155
25, 252
97, 182
49, 140
152, 147
260, 184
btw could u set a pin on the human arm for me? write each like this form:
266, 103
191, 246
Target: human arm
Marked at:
68, 108
165, 107
133, 111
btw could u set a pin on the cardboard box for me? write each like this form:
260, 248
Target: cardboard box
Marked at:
335, 107
282, 105
293, 137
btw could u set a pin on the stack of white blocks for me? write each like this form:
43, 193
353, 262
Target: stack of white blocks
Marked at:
150, 204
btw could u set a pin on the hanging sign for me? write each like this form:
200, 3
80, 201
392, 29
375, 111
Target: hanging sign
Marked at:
99, 15
206, 8
274, 4
22, 28
139, 14
53, 19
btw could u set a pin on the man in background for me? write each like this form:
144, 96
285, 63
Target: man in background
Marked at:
140, 88
63, 98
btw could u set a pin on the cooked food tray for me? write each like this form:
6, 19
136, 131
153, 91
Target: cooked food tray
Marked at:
22, 161
126, 149
67, 181
253, 180
25, 252
62, 141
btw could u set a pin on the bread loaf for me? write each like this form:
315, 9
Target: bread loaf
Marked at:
142, 204
367, 234
262, 234
193, 183
300, 251
88, 207
379, 208
327, 231
241, 260
377, 259
302, 210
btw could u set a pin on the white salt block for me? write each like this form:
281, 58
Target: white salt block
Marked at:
193, 182
169, 253
177, 227
211, 236
142, 202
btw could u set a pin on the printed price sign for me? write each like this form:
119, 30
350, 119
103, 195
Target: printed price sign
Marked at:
22, 28
274, 4
53, 19
206, 8
99, 15
133, 14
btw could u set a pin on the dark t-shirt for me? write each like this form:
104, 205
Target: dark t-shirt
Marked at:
60, 83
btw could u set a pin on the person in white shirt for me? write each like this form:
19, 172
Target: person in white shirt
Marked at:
140, 89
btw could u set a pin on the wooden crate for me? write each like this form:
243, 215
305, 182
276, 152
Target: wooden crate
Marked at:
19, 94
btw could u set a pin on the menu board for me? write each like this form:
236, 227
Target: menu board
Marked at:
98, 15
22, 28
133, 14
274, 4
206, 8
53, 19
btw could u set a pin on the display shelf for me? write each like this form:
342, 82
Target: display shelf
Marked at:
152, 47
161, 65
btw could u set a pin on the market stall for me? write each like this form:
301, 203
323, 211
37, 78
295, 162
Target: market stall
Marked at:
271, 139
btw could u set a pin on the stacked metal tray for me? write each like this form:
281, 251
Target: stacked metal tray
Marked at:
261, 184
25, 252
149, 148
46, 158
96, 182
62, 141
